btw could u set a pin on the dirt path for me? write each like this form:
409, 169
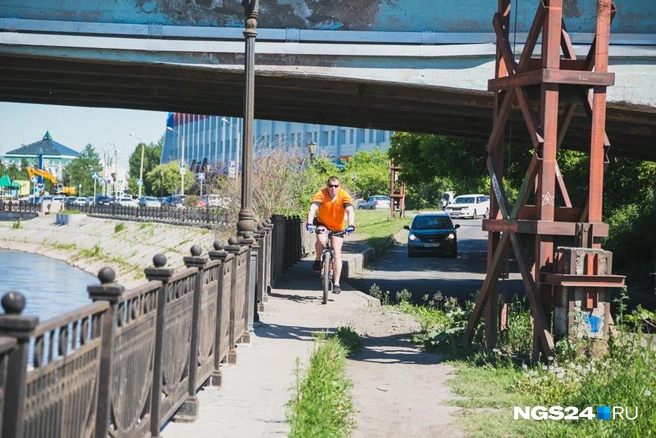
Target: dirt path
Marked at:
398, 390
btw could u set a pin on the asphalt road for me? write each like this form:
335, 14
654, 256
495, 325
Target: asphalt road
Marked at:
461, 277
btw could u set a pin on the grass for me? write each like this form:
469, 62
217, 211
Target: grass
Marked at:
321, 404
488, 384
376, 227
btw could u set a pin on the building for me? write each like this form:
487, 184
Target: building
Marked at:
216, 141
46, 154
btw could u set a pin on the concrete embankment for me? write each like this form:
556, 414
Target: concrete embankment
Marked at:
92, 243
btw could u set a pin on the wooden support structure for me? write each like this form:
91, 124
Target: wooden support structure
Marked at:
397, 192
544, 88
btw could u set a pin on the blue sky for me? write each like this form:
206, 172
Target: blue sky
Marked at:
76, 127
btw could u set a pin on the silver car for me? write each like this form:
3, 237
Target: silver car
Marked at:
377, 202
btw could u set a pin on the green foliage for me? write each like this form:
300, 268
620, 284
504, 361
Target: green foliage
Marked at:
90, 253
17, 225
632, 237
489, 383
349, 339
78, 172
151, 157
456, 164
170, 179
119, 227
367, 173
321, 404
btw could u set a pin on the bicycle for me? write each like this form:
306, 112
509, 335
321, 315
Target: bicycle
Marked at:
327, 256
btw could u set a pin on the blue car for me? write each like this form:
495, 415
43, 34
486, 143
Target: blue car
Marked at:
432, 233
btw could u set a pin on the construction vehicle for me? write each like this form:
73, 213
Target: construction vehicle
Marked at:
60, 188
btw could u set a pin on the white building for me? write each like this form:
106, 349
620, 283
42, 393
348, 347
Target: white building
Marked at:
216, 141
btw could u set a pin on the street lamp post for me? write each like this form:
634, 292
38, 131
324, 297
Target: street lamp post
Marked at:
224, 120
312, 148
143, 146
104, 168
115, 167
246, 223
183, 166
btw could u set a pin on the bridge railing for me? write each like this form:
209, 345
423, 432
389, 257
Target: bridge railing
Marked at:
134, 359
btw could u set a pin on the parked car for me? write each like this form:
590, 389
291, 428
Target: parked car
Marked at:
432, 233
469, 206
216, 201
126, 201
175, 201
79, 201
149, 202
103, 200
377, 202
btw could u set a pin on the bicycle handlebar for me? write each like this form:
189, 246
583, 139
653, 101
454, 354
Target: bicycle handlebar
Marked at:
330, 232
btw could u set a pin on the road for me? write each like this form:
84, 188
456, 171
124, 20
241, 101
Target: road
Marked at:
461, 277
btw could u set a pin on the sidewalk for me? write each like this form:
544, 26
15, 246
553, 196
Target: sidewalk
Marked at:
251, 402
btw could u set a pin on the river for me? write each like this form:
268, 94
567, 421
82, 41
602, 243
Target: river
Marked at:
51, 287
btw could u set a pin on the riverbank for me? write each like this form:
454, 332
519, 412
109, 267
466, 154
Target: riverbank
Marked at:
93, 243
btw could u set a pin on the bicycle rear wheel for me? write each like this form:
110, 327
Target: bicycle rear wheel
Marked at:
327, 261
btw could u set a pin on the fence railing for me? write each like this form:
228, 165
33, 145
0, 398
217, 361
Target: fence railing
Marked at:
187, 215
132, 360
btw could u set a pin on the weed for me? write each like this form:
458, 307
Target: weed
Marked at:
17, 225
403, 296
64, 246
349, 339
119, 227
321, 404
90, 252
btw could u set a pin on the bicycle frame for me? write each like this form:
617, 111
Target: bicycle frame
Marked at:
327, 256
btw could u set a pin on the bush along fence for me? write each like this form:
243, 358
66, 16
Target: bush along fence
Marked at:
134, 359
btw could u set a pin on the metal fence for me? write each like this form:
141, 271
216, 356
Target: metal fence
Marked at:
188, 215
132, 360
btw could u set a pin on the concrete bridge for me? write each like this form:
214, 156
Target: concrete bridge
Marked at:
408, 66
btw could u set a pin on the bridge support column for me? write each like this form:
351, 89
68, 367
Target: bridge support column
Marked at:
542, 216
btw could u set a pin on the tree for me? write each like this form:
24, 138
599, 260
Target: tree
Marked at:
151, 160
170, 180
367, 173
79, 171
433, 164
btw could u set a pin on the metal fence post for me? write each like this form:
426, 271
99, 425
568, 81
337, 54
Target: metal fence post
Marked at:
267, 262
278, 247
233, 248
158, 273
14, 325
222, 314
188, 412
110, 292
249, 307
260, 282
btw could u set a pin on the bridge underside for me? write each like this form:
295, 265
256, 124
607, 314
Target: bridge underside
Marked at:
299, 97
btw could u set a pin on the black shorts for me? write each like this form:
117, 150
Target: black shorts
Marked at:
319, 224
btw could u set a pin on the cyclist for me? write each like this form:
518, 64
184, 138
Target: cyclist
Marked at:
330, 206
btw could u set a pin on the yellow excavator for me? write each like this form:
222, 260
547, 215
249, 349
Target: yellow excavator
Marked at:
61, 189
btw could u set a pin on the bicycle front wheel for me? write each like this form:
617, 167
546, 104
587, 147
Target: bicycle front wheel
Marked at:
327, 261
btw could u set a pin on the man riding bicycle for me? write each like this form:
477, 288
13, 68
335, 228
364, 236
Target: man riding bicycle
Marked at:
330, 206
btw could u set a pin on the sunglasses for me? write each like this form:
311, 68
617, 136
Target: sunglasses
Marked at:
333, 186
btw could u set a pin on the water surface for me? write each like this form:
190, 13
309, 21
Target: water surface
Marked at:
51, 287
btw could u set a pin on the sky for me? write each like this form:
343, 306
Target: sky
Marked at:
75, 127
